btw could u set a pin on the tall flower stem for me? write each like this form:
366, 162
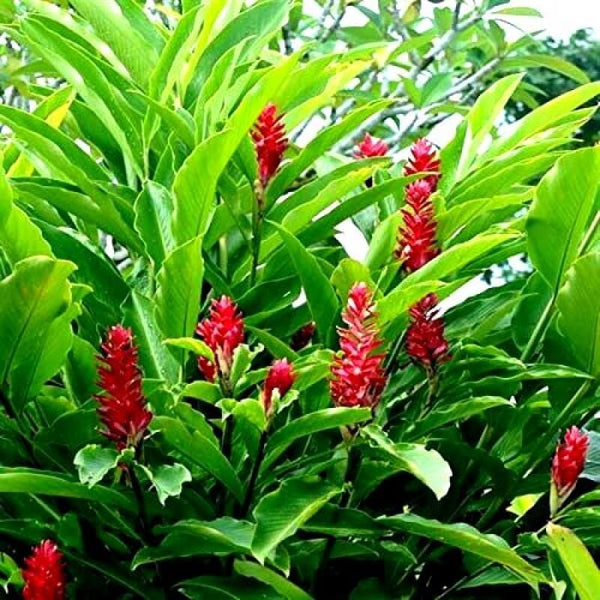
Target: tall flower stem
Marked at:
352, 468
141, 503
260, 455
258, 216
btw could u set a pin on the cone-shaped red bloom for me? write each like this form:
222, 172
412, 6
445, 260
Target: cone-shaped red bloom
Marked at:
122, 408
358, 373
424, 159
569, 460
370, 147
223, 332
270, 142
425, 341
44, 573
303, 336
417, 235
280, 377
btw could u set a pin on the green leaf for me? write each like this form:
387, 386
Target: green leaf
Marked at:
279, 514
578, 303
45, 483
279, 583
577, 561
33, 303
347, 273
198, 347
168, 480
123, 25
188, 538
561, 212
466, 538
93, 462
153, 208
199, 449
554, 63
320, 295
426, 465
320, 420
179, 288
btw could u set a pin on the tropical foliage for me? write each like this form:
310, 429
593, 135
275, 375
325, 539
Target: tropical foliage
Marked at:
205, 394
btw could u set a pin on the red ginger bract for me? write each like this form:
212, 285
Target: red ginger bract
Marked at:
270, 142
303, 336
424, 159
358, 374
569, 460
223, 332
280, 377
44, 573
370, 147
425, 341
122, 407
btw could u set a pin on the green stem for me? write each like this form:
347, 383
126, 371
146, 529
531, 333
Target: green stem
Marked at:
258, 215
260, 455
539, 331
141, 504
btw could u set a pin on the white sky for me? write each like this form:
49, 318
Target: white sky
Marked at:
562, 17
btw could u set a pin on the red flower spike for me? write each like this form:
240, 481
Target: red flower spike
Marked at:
280, 377
44, 573
425, 341
424, 159
122, 407
303, 336
358, 374
569, 461
223, 332
417, 238
370, 147
418, 195
270, 142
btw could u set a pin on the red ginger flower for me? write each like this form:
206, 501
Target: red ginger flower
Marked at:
424, 159
223, 332
122, 408
280, 377
44, 573
270, 142
569, 460
425, 341
370, 147
358, 374
303, 336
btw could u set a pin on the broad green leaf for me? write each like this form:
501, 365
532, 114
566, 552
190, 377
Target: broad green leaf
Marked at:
156, 359
228, 587
554, 63
561, 211
426, 465
279, 514
35, 296
222, 536
93, 462
179, 288
197, 347
123, 25
168, 480
153, 209
199, 449
44, 483
347, 273
577, 561
320, 420
279, 583
468, 539
578, 303
320, 295
19, 237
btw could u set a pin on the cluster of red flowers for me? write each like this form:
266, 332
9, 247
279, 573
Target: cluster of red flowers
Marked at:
280, 377
358, 374
223, 332
370, 147
122, 407
569, 460
44, 573
417, 236
425, 341
270, 143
